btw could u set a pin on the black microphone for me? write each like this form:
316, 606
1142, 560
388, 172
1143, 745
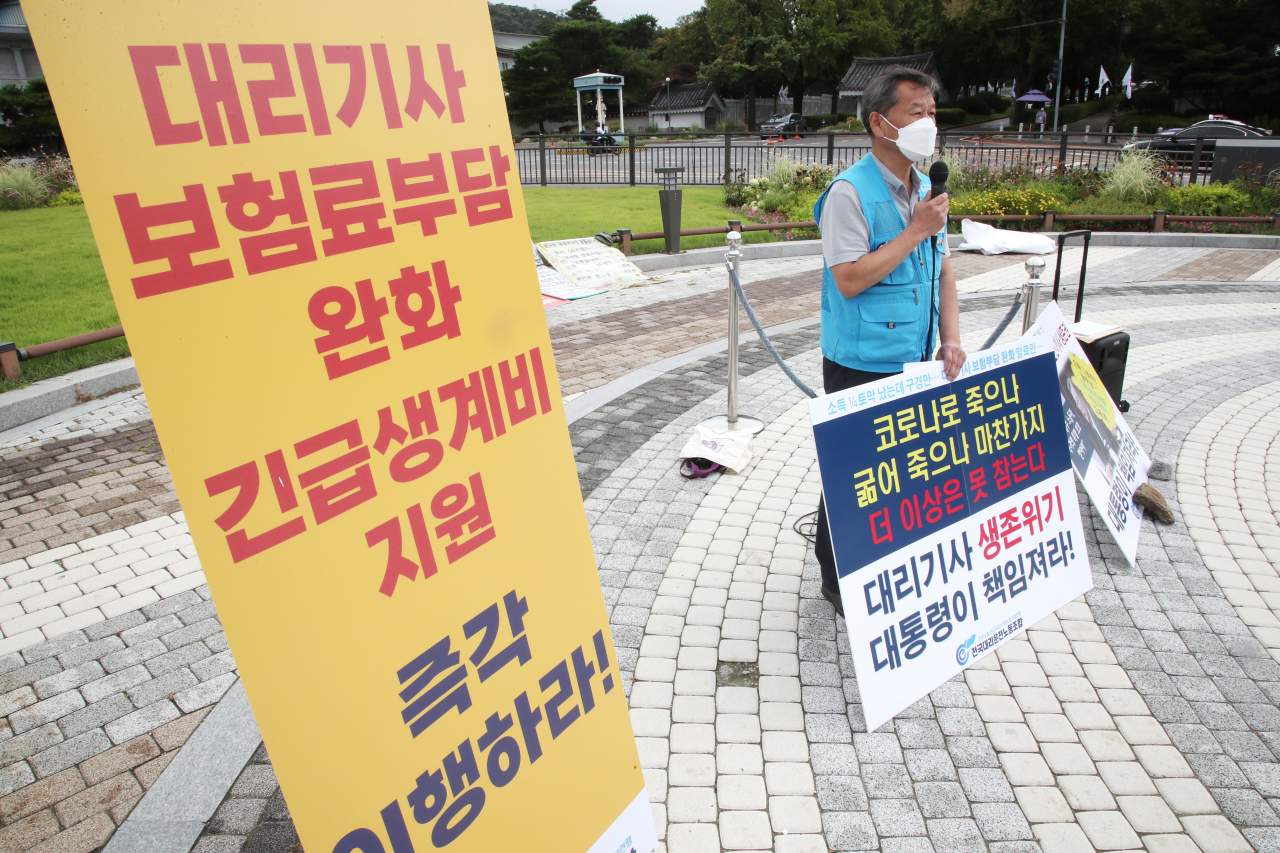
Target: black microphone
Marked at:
938, 174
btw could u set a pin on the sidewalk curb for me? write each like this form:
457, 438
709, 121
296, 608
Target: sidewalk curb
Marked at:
174, 811
52, 395
798, 248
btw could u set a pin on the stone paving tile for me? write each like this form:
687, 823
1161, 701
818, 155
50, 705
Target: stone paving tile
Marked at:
74, 586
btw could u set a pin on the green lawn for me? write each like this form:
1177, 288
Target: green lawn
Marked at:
558, 213
52, 284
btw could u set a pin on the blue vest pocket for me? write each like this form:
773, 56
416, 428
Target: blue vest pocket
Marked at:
890, 330
903, 273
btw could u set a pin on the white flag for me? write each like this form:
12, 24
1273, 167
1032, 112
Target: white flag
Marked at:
1102, 78
1127, 82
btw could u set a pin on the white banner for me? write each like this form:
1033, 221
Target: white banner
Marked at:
954, 517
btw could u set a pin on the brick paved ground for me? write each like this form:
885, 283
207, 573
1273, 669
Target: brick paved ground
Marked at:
1145, 716
75, 488
1223, 265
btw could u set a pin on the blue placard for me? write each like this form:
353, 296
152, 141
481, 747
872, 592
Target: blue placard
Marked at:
901, 470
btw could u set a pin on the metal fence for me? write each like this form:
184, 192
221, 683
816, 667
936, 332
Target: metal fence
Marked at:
713, 159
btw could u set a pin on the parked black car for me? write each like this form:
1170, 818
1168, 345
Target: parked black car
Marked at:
1179, 143
782, 125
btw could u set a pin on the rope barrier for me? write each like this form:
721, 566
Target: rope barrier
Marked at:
768, 344
1004, 324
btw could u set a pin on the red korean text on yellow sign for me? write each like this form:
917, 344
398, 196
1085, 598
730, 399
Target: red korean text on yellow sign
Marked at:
312, 225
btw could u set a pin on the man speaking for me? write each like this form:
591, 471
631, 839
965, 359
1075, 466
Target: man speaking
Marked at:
888, 292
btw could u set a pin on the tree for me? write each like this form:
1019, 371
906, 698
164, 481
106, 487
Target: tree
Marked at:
689, 42
1219, 56
823, 36
584, 10
638, 33
516, 19
751, 37
27, 119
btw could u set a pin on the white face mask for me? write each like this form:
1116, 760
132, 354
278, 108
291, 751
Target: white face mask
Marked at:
916, 140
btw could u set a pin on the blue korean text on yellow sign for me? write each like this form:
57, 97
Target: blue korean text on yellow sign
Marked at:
313, 228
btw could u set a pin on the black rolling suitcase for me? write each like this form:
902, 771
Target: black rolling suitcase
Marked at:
1108, 354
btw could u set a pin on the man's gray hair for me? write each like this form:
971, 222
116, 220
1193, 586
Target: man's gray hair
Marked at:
881, 94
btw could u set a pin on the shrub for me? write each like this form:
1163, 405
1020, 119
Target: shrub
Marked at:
69, 198
975, 106
1139, 175
785, 194
1005, 201
818, 121
950, 115
1077, 184
1261, 190
1151, 99
21, 187
1213, 200
1107, 206
785, 180
730, 126
850, 125
57, 172
996, 103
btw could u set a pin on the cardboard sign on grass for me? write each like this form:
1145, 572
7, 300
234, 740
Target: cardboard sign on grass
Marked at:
953, 513
312, 226
589, 263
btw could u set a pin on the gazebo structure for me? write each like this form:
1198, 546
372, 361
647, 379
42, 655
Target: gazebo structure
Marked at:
601, 83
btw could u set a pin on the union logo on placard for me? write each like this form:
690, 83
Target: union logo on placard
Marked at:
962, 653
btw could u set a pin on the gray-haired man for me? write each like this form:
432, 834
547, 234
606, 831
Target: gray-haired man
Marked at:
888, 292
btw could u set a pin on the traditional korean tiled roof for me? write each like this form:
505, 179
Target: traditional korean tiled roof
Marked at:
684, 96
865, 68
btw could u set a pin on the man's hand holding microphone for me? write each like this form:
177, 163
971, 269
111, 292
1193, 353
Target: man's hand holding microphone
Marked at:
931, 217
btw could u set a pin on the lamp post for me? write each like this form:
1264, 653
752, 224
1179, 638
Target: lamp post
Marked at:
1115, 90
668, 102
1057, 83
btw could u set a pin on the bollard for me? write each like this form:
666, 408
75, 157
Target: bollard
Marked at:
1031, 292
1086, 133
624, 240
669, 202
1020, 127
732, 422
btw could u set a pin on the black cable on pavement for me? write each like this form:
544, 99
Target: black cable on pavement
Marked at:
806, 528
737, 285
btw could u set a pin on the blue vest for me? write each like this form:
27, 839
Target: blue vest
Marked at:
890, 322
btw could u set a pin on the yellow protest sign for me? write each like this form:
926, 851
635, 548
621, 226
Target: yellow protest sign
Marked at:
1084, 377
315, 235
